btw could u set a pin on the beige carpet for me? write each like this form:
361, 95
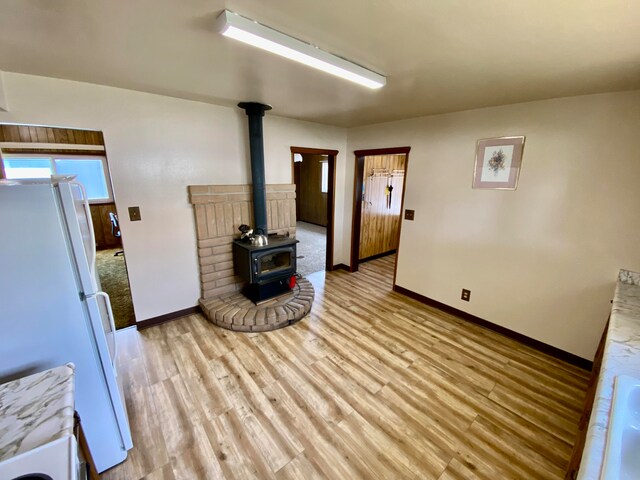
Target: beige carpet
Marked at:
312, 249
112, 272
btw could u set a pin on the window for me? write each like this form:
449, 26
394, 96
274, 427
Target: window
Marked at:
91, 171
27, 167
324, 177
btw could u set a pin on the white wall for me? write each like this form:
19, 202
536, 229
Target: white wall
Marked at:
541, 260
156, 147
282, 133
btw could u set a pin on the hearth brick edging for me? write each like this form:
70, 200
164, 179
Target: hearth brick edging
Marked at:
219, 211
236, 312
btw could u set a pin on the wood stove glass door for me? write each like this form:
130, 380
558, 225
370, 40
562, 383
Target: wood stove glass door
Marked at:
275, 263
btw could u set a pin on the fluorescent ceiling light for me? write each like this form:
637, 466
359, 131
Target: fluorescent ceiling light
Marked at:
246, 30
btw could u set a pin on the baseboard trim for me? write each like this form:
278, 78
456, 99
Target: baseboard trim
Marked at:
150, 322
379, 255
530, 342
312, 223
342, 266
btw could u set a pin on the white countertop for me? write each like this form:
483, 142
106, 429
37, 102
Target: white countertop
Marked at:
36, 410
621, 357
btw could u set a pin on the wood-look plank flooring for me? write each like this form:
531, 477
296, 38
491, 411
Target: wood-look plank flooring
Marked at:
371, 385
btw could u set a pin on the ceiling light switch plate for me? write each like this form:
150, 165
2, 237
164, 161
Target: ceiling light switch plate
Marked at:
409, 214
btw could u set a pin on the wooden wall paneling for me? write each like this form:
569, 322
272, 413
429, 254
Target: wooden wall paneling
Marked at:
60, 135
37, 134
82, 137
52, 151
296, 181
110, 240
380, 221
23, 130
97, 226
13, 133
33, 135
102, 226
311, 202
42, 135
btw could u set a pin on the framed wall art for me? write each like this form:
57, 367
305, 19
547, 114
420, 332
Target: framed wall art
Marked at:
498, 163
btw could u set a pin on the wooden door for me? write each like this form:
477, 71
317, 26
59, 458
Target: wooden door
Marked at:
102, 226
381, 204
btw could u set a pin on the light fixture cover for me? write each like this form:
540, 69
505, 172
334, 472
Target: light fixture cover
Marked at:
235, 26
3, 99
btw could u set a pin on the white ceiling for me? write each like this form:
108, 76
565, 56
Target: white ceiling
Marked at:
439, 55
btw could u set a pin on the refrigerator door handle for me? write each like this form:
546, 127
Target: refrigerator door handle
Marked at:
112, 322
87, 209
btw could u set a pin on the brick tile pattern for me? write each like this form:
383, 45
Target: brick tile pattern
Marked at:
234, 311
219, 211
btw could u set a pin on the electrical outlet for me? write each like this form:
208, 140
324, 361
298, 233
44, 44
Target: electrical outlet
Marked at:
409, 214
466, 295
134, 214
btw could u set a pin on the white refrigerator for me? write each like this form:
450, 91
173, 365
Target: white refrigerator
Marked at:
51, 309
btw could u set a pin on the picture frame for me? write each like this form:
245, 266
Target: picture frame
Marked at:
498, 161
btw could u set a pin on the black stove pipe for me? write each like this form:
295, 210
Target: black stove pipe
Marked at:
255, 112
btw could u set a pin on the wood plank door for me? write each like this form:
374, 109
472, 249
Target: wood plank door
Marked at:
102, 226
383, 183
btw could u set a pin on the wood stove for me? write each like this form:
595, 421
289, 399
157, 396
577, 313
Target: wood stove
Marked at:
267, 269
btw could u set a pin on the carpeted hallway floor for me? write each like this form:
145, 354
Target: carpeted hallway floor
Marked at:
312, 248
112, 272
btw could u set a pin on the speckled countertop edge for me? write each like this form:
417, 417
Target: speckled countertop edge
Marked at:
36, 410
621, 357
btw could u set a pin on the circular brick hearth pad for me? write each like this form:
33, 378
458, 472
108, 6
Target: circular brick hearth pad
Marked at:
236, 312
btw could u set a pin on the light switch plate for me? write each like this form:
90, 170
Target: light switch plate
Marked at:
134, 214
409, 214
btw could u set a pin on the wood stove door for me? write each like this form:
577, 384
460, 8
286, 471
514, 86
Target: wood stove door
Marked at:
273, 264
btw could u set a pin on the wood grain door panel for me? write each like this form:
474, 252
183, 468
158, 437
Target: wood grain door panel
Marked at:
380, 224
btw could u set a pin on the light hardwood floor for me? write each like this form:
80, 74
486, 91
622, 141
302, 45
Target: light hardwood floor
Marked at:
371, 385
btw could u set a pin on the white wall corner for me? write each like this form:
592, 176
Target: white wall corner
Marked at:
4, 107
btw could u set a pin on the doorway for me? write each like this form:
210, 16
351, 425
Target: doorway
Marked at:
313, 172
111, 264
379, 186
30, 151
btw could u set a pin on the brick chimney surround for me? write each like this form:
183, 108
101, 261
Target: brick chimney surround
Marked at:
219, 211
